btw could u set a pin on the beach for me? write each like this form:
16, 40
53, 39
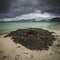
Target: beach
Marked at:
11, 51
29, 29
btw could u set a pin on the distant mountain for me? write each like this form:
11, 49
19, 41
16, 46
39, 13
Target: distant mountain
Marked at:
56, 19
22, 20
28, 20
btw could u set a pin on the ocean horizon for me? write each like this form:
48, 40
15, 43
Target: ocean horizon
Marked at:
10, 26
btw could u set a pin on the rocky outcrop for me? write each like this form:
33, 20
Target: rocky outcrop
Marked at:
33, 38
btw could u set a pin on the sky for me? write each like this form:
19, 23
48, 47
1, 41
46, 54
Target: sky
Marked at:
29, 8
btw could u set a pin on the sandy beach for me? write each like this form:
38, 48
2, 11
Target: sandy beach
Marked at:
11, 51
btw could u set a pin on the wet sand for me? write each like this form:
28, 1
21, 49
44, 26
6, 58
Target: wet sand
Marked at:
11, 51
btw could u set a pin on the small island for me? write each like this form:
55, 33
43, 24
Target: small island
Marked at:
56, 19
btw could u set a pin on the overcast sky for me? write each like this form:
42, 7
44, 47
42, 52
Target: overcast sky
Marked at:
14, 8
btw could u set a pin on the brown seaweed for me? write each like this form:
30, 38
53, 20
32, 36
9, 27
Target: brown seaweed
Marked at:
33, 38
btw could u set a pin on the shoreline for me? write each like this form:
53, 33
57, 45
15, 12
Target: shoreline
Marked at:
11, 51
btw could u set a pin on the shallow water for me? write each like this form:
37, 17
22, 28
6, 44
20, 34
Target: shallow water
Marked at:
9, 26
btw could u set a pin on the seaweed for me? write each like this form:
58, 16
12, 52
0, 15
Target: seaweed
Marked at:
33, 38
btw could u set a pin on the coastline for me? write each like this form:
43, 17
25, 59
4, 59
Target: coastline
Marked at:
11, 51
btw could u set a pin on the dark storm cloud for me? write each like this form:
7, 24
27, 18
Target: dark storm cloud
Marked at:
52, 6
4, 5
19, 7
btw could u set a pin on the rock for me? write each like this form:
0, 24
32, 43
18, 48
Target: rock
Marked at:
33, 38
50, 53
4, 57
18, 46
1, 51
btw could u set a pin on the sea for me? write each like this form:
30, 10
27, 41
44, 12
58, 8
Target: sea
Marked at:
11, 26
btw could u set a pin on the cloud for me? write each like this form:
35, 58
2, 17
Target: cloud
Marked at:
34, 15
37, 16
4, 5
13, 8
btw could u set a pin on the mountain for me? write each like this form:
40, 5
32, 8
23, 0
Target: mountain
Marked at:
56, 19
27, 20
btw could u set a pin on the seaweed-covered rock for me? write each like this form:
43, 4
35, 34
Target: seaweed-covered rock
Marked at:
33, 38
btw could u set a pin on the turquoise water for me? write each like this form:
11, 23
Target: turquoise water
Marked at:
9, 26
